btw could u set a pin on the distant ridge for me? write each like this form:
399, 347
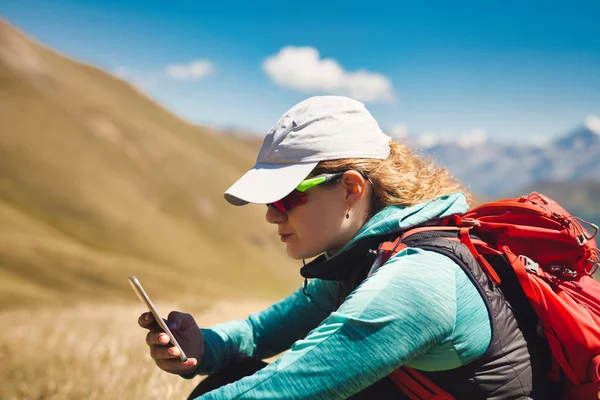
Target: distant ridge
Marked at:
494, 169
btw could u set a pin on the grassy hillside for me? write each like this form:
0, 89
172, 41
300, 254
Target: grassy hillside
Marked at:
98, 182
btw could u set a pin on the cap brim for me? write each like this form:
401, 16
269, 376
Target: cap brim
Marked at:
267, 183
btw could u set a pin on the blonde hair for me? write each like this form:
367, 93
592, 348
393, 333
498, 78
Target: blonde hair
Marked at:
404, 178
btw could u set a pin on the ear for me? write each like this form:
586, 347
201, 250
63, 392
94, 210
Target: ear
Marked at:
354, 186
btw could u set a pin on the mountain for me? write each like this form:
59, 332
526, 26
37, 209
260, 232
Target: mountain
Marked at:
495, 169
98, 182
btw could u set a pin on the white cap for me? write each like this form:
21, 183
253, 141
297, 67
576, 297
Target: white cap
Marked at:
317, 129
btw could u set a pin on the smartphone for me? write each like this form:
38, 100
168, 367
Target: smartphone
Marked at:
141, 293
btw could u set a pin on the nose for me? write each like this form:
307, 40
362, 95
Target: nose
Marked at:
274, 216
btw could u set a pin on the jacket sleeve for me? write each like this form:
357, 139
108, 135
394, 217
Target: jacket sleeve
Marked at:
268, 332
402, 312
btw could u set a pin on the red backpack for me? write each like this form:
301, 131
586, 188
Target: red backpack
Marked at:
553, 257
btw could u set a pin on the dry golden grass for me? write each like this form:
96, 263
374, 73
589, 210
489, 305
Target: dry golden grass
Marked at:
92, 352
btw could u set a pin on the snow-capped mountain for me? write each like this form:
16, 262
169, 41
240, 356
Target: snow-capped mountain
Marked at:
490, 168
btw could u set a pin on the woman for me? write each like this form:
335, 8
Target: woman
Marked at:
337, 187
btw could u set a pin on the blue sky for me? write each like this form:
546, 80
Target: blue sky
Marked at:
516, 72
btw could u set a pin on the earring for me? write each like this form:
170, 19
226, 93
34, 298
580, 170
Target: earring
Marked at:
348, 214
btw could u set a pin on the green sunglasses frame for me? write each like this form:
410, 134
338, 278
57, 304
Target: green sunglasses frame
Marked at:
318, 180
298, 197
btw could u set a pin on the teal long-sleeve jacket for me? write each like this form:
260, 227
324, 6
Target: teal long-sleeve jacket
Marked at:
419, 309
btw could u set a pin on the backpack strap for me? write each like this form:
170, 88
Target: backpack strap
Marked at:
536, 298
416, 386
465, 238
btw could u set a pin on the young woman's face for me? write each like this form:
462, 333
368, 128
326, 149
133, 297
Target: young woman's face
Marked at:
320, 224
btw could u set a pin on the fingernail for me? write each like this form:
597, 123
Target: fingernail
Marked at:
164, 339
173, 351
147, 317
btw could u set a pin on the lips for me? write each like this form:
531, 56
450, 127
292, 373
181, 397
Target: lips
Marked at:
285, 236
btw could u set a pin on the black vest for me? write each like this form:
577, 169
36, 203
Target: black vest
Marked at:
516, 363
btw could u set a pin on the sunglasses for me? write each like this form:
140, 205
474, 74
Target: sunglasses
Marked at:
298, 197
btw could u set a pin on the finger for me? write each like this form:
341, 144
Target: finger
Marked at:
177, 365
180, 321
164, 352
147, 320
157, 338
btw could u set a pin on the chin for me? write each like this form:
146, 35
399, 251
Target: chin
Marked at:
292, 254
299, 254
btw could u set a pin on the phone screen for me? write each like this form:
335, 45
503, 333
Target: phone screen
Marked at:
141, 293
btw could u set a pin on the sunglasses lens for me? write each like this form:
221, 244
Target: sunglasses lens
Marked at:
279, 205
290, 201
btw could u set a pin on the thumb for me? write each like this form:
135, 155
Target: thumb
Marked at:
180, 321
191, 362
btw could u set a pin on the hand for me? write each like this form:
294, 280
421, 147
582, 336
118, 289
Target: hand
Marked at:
188, 335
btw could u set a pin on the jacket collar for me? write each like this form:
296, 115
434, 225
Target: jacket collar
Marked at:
345, 264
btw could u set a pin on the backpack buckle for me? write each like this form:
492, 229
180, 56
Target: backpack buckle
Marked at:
467, 222
563, 271
530, 265
569, 273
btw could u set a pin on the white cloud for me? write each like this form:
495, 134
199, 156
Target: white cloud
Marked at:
399, 131
467, 139
429, 140
472, 138
592, 122
540, 141
193, 71
303, 69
